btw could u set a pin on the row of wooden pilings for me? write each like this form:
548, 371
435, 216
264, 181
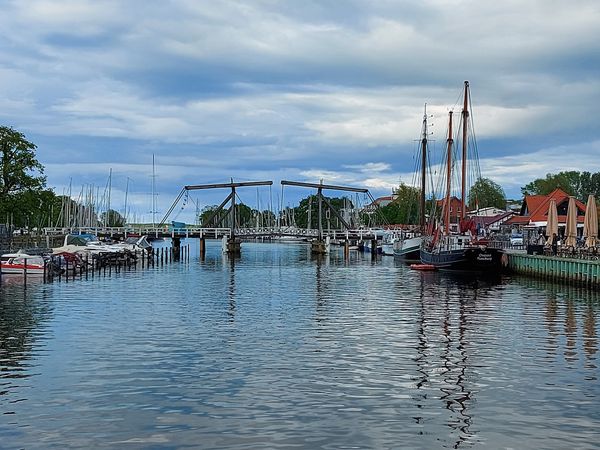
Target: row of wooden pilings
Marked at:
553, 268
58, 268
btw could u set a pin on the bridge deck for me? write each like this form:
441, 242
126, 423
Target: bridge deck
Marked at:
214, 233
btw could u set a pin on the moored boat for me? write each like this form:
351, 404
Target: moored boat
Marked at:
20, 263
456, 247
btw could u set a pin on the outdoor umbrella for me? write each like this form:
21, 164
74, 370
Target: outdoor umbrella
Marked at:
571, 228
590, 224
552, 224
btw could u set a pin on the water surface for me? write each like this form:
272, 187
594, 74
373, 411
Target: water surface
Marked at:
278, 349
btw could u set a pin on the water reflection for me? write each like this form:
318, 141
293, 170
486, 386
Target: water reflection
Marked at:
21, 325
231, 287
576, 308
278, 349
590, 342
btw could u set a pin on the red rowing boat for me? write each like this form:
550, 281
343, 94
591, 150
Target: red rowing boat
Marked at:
422, 267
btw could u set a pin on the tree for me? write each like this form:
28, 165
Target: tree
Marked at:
312, 202
18, 164
245, 216
23, 199
579, 184
486, 193
112, 218
404, 209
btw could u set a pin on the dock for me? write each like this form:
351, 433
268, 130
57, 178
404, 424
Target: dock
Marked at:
556, 268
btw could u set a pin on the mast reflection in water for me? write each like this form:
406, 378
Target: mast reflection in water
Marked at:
280, 349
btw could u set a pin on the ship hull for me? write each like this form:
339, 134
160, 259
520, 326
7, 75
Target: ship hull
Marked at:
474, 259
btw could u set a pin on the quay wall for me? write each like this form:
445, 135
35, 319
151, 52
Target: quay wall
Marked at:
578, 271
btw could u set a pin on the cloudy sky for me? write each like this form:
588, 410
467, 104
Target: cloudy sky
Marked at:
301, 90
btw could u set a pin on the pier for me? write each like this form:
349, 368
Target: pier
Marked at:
555, 268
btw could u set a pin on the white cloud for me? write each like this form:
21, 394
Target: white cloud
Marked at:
317, 90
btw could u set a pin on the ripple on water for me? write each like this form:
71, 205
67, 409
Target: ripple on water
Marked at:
278, 349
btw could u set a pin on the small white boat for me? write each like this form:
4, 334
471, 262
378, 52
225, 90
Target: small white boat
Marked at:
20, 263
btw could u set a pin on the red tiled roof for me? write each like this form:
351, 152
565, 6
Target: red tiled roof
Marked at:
537, 207
540, 213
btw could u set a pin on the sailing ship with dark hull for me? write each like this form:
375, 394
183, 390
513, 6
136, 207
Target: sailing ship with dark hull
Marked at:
460, 249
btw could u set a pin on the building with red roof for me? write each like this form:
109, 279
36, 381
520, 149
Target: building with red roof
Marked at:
534, 210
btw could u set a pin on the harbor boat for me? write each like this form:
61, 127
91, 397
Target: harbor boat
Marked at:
20, 263
90, 244
457, 248
407, 246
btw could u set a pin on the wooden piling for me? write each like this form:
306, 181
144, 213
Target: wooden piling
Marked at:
202, 247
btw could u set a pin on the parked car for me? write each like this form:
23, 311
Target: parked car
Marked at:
516, 239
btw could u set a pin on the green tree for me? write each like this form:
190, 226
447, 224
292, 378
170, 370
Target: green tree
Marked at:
579, 184
22, 194
18, 165
404, 209
312, 203
245, 216
486, 193
112, 218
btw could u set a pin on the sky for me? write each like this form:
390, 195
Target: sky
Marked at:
297, 90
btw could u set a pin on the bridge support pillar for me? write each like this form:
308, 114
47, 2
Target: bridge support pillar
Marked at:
176, 248
202, 247
319, 247
233, 246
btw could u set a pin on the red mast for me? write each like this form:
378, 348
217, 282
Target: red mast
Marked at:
448, 175
465, 122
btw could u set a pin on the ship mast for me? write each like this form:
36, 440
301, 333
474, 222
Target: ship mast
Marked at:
465, 121
448, 174
423, 169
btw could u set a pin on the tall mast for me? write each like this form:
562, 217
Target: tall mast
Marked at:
465, 121
125, 209
109, 189
448, 175
423, 168
153, 195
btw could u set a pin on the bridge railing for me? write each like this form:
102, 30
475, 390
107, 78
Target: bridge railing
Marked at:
195, 230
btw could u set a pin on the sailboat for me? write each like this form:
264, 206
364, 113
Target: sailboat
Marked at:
407, 247
456, 246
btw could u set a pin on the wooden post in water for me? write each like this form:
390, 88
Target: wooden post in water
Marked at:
176, 248
202, 247
86, 266
346, 249
25, 272
373, 249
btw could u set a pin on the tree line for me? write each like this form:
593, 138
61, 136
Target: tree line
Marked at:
26, 201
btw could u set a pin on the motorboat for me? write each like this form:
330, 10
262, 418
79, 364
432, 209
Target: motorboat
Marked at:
20, 263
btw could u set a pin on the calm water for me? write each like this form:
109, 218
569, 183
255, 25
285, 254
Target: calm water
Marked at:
279, 350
